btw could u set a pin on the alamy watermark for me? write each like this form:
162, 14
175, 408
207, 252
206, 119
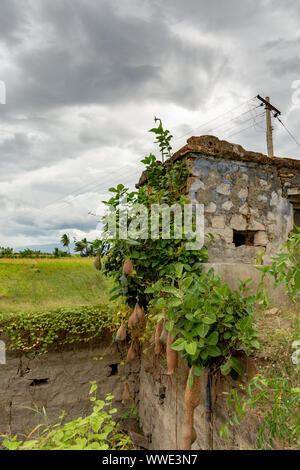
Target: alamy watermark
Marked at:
2, 353
138, 222
2, 92
296, 94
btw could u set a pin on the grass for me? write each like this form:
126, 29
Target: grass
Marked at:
276, 335
29, 285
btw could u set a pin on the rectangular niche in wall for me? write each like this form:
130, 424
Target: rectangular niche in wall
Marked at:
297, 216
243, 237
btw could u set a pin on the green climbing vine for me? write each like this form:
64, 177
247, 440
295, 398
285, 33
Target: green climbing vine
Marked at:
277, 402
37, 332
210, 325
97, 431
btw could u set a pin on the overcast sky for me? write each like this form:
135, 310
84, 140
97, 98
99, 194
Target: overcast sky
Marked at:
84, 79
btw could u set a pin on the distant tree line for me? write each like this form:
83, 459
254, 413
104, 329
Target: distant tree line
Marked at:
27, 253
84, 247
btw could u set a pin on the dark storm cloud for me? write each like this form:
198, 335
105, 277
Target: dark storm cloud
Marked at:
10, 20
289, 66
84, 78
233, 16
91, 54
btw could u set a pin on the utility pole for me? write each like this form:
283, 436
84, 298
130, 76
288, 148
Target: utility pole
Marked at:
269, 107
269, 130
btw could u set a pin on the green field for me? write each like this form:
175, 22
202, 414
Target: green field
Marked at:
44, 284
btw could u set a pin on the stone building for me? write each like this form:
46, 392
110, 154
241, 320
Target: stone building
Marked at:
251, 201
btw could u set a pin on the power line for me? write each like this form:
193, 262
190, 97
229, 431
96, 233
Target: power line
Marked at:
91, 185
243, 122
95, 184
242, 130
211, 120
289, 132
232, 120
99, 186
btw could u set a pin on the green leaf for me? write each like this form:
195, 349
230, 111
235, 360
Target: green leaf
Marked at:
210, 319
198, 370
174, 302
202, 330
172, 290
204, 354
191, 348
179, 344
236, 365
187, 282
169, 325
149, 290
213, 338
191, 381
214, 351
179, 269
226, 367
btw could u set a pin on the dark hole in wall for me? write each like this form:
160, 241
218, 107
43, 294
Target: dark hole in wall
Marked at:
162, 394
243, 237
114, 369
297, 217
297, 222
38, 382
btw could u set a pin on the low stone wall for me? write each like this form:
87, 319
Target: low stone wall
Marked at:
231, 272
60, 381
162, 413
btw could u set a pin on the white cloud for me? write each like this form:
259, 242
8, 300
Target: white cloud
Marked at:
85, 79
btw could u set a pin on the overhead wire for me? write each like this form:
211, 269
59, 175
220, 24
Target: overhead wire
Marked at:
90, 185
242, 130
242, 123
95, 184
203, 125
289, 132
98, 184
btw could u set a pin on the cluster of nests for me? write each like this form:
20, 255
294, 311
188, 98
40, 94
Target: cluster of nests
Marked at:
136, 322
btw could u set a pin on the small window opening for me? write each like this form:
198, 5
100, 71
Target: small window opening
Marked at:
162, 394
297, 217
243, 237
38, 382
114, 369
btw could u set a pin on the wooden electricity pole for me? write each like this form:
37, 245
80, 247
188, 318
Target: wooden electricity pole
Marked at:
269, 107
269, 130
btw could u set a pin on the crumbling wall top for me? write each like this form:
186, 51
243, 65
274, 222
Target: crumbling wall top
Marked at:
211, 145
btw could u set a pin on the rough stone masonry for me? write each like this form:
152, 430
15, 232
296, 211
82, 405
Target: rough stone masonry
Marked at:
251, 201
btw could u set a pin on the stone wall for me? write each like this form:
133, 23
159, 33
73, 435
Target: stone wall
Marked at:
232, 272
162, 414
240, 196
61, 381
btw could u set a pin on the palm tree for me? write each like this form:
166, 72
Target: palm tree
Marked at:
65, 241
81, 246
